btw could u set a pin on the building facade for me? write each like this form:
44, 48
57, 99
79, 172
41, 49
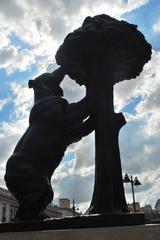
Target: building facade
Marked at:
157, 206
64, 203
9, 206
131, 207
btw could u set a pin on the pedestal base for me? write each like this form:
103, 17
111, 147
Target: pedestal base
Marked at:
88, 221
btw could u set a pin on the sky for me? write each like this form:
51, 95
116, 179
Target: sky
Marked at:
30, 33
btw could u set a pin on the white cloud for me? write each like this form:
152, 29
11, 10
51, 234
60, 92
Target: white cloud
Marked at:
12, 131
140, 135
13, 58
43, 26
75, 178
72, 91
11, 9
144, 85
148, 108
139, 138
3, 102
4, 37
85, 157
156, 26
9, 135
22, 100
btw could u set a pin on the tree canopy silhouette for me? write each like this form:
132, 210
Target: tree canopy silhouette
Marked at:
118, 43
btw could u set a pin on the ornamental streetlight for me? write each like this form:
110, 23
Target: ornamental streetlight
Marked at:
134, 182
74, 208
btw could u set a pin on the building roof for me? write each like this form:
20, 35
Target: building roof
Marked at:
157, 203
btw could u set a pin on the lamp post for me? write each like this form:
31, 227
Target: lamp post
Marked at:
74, 208
134, 182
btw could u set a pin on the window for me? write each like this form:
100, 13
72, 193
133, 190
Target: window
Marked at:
4, 214
11, 214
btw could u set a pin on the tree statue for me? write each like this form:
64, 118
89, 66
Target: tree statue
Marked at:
53, 125
99, 54
102, 52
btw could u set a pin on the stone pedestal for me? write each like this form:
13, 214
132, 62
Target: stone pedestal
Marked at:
143, 232
85, 221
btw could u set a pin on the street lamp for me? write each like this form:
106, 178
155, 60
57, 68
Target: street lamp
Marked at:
134, 182
74, 208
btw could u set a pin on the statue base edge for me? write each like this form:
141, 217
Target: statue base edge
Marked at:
85, 221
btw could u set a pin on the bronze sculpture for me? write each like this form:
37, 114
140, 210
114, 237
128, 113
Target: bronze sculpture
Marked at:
99, 54
53, 125
108, 51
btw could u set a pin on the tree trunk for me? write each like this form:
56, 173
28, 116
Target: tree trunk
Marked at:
108, 195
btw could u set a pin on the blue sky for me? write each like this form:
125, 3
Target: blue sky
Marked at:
145, 17
29, 36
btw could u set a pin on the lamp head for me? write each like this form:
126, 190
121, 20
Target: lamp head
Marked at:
136, 182
126, 179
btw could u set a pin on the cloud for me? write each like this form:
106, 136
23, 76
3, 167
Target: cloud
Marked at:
85, 156
138, 153
4, 37
22, 100
148, 192
3, 102
11, 9
12, 58
11, 131
139, 138
9, 135
142, 131
43, 26
59, 27
75, 178
156, 26
143, 85
72, 91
